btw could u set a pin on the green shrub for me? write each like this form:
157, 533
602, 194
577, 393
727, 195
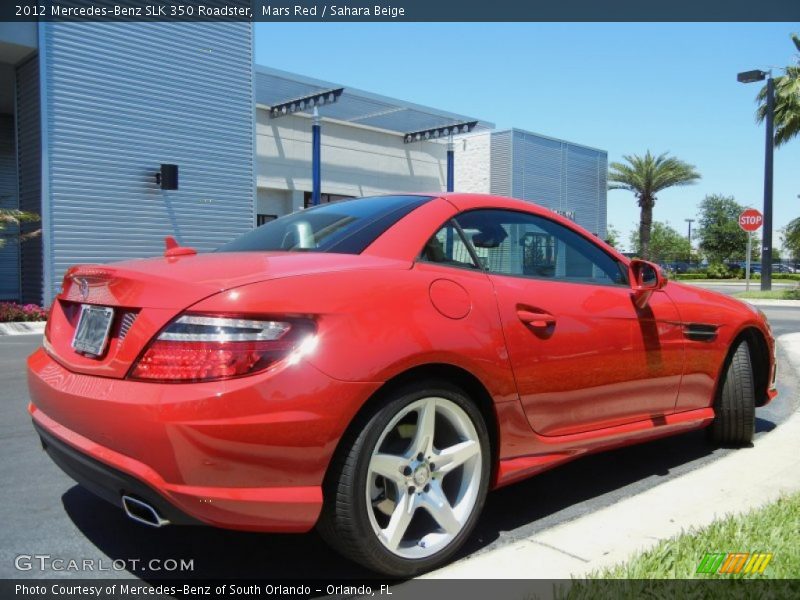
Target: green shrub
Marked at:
718, 271
690, 276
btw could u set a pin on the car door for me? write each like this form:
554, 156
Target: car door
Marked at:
584, 356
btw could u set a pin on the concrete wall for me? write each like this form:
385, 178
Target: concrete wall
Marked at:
278, 202
356, 161
473, 163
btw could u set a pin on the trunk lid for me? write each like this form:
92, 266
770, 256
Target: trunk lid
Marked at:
147, 294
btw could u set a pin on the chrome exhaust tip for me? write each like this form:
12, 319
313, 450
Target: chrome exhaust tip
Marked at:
142, 512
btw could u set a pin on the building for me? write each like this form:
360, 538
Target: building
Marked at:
363, 144
92, 114
566, 177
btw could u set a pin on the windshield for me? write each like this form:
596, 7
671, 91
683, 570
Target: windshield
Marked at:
345, 227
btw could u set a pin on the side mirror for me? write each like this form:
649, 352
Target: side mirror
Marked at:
645, 278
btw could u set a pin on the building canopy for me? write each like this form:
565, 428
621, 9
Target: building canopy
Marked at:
275, 87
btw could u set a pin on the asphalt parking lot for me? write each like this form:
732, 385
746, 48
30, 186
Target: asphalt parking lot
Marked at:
46, 513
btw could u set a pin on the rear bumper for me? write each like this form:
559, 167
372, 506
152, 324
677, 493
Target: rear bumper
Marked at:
248, 454
104, 481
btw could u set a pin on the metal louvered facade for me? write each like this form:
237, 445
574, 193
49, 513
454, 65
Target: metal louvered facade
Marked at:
560, 175
500, 161
9, 249
29, 168
120, 99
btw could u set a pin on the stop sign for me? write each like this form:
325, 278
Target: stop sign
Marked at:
750, 220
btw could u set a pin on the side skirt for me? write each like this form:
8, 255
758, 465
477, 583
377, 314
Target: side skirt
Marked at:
569, 447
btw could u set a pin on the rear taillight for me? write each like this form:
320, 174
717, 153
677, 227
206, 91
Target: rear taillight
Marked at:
207, 348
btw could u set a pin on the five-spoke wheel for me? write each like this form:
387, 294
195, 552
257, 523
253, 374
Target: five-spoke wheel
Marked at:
410, 486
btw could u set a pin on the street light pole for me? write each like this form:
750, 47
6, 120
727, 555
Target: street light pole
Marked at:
766, 244
689, 235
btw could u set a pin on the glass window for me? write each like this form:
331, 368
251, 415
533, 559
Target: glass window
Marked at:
262, 219
346, 227
517, 243
447, 247
323, 199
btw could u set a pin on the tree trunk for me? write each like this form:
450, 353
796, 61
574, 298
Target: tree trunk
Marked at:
645, 225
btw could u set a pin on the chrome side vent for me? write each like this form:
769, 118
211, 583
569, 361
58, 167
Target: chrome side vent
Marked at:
699, 332
125, 324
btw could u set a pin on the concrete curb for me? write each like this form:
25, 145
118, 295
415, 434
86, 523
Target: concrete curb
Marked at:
754, 283
22, 328
613, 534
768, 302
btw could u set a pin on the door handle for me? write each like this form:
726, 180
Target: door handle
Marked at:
536, 319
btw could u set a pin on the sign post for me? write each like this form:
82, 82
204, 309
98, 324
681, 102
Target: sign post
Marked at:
750, 220
749, 255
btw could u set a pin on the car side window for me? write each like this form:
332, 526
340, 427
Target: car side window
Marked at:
517, 243
447, 247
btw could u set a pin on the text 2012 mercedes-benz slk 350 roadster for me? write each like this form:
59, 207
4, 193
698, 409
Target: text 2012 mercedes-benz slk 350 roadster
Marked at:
373, 367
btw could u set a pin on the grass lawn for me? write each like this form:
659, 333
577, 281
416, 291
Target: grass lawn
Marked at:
784, 294
773, 529
669, 570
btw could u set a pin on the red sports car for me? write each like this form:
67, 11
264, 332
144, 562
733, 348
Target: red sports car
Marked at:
374, 367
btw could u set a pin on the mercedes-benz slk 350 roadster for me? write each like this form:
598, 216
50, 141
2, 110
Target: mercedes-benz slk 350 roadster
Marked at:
374, 367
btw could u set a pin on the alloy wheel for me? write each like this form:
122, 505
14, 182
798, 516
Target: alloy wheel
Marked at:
423, 478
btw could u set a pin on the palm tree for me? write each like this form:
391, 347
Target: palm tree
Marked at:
12, 216
787, 101
645, 176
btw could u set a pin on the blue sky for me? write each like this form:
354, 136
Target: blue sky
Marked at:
624, 88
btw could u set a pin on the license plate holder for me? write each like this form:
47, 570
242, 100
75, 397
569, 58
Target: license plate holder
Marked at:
91, 334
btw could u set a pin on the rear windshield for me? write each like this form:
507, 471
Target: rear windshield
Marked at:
344, 227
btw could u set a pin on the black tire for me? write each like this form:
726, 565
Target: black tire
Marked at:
735, 407
345, 523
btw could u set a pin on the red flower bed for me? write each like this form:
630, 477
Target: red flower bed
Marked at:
11, 311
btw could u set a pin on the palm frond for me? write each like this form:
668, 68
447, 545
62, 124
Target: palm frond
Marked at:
787, 102
649, 174
14, 216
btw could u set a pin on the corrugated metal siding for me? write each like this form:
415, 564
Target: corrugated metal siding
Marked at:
538, 170
500, 163
583, 195
29, 164
552, 173
9, 248
602, 195
122, 98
